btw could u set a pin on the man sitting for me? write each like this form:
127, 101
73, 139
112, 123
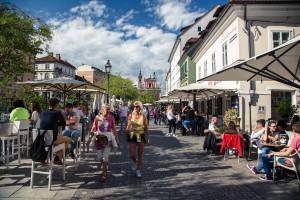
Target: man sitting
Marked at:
213, 137
270, 135
295, 145
72, 130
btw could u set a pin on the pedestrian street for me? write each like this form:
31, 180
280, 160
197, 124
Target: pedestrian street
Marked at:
173, 168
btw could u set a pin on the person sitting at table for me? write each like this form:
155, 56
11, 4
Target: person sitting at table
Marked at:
213, 137
19, 112
270, 136
50, 120
190, 118
258, 130
72, 130
266, 158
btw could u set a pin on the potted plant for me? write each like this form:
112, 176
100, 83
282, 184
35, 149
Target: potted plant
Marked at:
230, 115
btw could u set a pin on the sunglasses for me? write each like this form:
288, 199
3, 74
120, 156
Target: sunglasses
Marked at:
136, 106
272, 126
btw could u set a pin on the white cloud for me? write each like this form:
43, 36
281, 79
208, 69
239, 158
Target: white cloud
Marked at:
126, 17
130, 48
93, 8
175, 14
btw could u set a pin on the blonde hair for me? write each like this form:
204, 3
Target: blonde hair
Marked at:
170, 107
140, 105
106, 106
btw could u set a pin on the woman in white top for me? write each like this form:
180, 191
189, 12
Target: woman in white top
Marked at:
35, 114
172, 121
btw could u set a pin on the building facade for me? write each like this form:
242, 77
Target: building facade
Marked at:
91, 73
53, 67
242, 31
186, 35
149, 84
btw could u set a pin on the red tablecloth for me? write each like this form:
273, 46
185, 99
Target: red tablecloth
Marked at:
232, 141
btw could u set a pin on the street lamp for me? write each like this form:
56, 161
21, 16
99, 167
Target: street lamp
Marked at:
107, 70
125, 88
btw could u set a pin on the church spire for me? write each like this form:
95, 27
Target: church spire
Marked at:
154, 76
140, 76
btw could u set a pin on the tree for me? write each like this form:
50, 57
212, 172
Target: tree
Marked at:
148, 96
116, 87
21, 38
285, 107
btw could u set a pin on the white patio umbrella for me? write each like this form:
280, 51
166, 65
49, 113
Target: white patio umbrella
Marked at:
280, 64
64, 85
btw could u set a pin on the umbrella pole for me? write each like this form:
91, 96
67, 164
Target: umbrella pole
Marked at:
64, 99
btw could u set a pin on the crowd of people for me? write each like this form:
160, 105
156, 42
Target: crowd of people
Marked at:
134, 123
103, 134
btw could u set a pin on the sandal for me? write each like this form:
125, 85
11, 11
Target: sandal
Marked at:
102, 178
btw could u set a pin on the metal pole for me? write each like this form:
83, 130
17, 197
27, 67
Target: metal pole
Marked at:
107, 88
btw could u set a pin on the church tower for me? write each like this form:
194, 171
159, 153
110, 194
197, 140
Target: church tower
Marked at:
140, 82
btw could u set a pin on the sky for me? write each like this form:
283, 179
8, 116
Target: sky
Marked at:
133, 34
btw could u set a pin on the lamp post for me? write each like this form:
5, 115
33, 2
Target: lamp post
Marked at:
125, 88
107, 70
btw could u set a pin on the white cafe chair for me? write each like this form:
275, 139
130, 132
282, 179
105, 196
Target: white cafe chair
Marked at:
55, 148
21, 129
8, 139
294, 166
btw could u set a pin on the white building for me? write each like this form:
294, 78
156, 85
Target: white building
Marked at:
191, 31
53, 67
242, 31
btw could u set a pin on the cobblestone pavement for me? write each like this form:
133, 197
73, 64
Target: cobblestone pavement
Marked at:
173, 168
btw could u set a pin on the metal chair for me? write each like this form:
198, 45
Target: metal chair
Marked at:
55, 148
294, 159
234, 142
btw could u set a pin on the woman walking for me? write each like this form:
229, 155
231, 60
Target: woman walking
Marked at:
106, 137
172, 121
35, 115
138, 135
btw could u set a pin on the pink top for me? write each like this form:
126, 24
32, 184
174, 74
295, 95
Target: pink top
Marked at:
294, 145
104, 125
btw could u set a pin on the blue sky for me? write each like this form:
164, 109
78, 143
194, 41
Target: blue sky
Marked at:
134, 34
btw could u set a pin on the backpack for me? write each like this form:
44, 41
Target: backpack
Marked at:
38, 152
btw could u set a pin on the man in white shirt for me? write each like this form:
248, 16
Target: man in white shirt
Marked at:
213, 137
123, 112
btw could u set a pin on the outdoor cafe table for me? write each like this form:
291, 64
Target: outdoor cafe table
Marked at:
273, 145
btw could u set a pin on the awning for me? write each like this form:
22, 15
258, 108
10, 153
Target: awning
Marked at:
199, 91
281, 64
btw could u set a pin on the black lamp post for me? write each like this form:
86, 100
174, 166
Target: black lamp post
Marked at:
107, 70
125, 88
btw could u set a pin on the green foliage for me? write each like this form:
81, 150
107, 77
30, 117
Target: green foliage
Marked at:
221, 129
285, 107
28, 95
116, 86
21, 39
148, 96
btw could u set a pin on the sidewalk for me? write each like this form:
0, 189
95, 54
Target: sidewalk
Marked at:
174, 168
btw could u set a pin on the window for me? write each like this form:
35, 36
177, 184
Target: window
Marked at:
213, 62
36, 67
205, 68
280, 37
28, 78
199, 28
183, 70
35, 77
46, 66
199, 72
46, 76
224, 54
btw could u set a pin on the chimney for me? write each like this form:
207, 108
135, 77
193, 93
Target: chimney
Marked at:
50, 54
57, 56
